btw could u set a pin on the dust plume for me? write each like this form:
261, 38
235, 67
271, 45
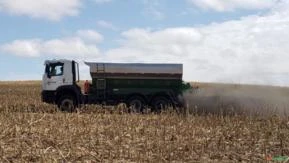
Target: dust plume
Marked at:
238, 99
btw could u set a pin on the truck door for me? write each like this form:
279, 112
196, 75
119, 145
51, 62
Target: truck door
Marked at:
53, 77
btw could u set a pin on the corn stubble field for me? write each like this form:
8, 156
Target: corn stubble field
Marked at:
31, 131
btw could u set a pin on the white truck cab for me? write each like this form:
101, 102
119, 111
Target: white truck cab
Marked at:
57, 73
59, 82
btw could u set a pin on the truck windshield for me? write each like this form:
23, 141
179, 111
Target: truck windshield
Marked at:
54, 69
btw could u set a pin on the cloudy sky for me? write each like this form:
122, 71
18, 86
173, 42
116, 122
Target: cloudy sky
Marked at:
233, 41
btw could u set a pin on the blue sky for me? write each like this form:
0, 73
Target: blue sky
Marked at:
238, 41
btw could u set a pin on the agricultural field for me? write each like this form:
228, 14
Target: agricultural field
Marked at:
31, 131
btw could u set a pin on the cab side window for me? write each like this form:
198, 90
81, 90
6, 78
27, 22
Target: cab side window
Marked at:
55, 69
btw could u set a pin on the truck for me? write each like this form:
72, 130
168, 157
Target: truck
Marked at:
138, 85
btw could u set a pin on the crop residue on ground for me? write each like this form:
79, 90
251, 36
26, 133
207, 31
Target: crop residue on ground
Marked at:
32, 131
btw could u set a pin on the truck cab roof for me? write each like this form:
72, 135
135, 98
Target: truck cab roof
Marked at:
56, 61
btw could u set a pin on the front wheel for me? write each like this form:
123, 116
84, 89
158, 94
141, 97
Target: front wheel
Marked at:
66, 103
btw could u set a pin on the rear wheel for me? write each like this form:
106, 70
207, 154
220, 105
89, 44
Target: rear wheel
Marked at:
67, 103
136, 104
160, 103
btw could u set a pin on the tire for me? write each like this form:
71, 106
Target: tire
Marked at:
67, 103
135, 104
160, 103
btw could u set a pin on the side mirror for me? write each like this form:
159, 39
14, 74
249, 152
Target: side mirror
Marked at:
48, 76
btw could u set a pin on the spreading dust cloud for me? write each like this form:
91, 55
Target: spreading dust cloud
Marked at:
238, 99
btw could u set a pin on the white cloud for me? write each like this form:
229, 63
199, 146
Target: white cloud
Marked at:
82, 45
107, 25
49, 9
28, 48
253, 49
90, 35
230, 5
